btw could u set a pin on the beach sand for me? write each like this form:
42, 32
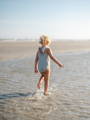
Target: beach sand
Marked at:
69, 87
14, 50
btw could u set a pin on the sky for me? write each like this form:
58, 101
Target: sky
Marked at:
59, 19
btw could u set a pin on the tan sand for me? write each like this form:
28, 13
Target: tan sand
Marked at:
14, 50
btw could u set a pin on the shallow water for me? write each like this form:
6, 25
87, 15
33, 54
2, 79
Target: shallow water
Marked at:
69, 91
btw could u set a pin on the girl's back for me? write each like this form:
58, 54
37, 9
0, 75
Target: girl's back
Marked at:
44, 60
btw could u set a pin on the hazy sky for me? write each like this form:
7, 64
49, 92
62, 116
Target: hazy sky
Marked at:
64, 19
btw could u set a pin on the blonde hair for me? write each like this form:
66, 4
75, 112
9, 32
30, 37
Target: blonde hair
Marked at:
44, 40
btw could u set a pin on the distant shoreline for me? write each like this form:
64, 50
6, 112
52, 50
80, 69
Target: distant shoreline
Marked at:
21, 49
34, 40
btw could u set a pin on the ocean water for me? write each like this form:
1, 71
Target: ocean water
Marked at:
69, 89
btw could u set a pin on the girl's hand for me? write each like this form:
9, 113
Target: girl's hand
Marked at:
36, 70
61, 65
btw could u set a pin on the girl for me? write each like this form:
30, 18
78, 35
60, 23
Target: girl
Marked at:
42, 62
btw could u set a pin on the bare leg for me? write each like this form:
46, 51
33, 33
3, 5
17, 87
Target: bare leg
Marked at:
40, 81
46, 82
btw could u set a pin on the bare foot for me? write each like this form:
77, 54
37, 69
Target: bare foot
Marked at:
46, 93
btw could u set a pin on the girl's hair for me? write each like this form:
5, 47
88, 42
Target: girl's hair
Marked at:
44, 40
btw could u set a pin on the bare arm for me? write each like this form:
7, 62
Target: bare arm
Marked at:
36, 63
54, 58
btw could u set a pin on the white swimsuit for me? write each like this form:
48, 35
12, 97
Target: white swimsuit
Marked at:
44, 60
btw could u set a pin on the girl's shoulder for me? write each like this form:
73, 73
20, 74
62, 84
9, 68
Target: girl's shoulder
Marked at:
48, 50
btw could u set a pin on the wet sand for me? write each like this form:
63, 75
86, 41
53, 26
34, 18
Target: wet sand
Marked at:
15, 50
69, 88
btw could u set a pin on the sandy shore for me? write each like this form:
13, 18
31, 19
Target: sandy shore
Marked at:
12, 50
69, 87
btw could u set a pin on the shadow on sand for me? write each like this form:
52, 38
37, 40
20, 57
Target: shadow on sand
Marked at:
15, 95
